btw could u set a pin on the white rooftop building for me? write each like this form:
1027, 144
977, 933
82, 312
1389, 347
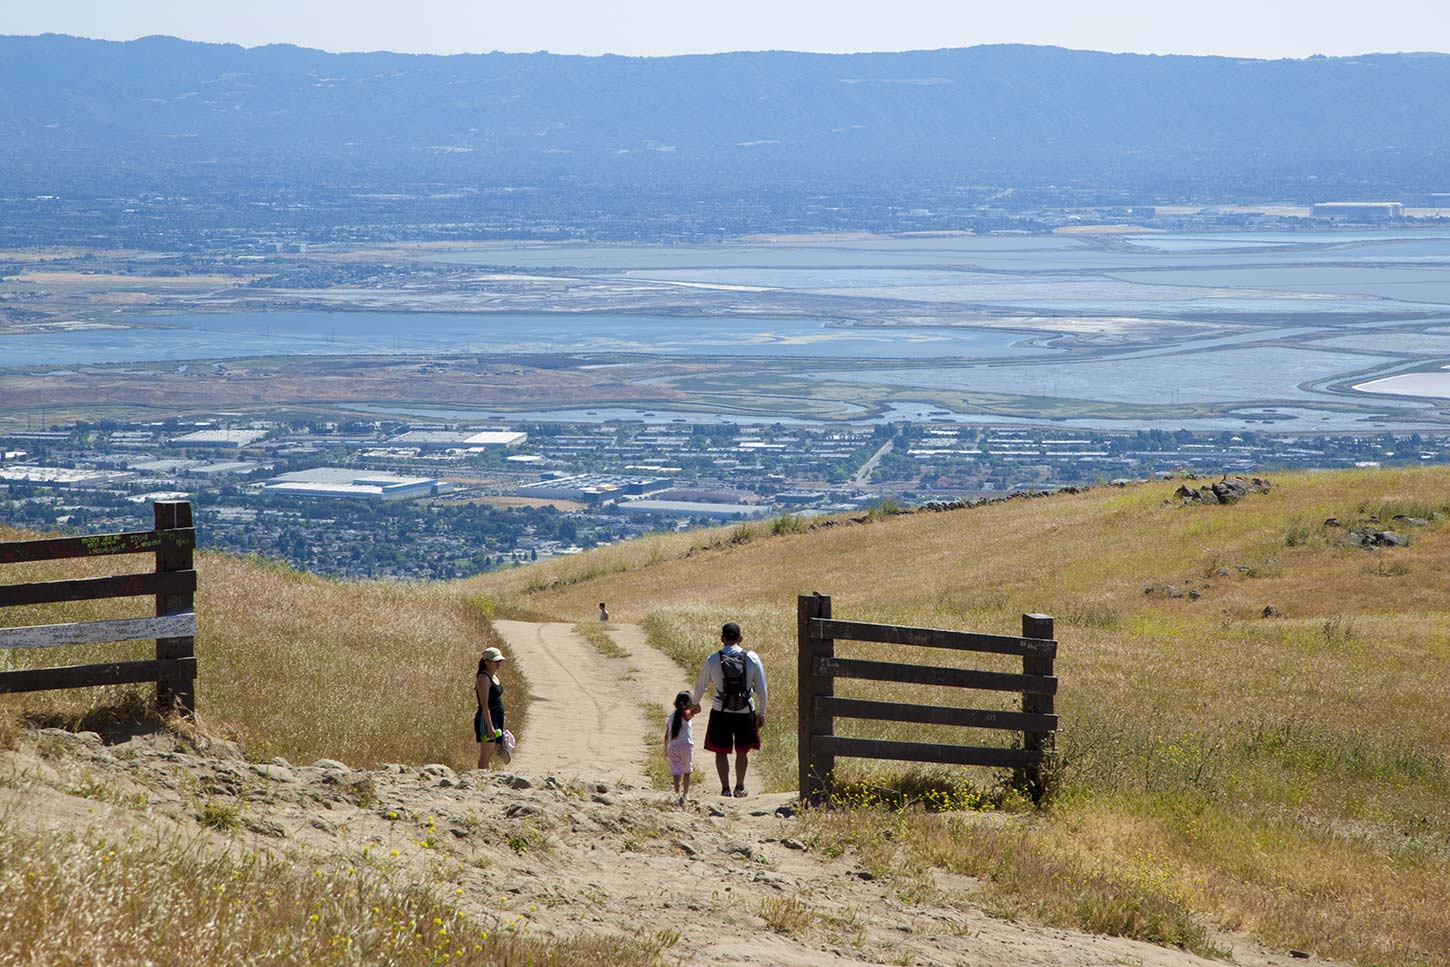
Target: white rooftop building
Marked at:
459, 439
344, 482
219, 438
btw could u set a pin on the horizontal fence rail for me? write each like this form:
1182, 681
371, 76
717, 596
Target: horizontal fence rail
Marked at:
818, 668
91, 589
179, 670
98, 632
60, 548
933, 638
955, 755
173, 583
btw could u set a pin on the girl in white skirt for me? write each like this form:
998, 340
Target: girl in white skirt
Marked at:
680, 744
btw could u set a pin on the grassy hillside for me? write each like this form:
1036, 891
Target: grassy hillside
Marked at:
1289, 774
294, 665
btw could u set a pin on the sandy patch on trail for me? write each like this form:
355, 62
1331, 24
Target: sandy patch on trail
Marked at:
585, 713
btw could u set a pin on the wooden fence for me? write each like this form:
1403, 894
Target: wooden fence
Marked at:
173, 582
818, 667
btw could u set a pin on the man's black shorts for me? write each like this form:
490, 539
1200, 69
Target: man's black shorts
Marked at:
731, 732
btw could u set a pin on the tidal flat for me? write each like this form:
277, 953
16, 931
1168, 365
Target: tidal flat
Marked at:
1239, 329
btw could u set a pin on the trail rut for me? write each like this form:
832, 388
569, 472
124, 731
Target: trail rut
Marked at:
586, 716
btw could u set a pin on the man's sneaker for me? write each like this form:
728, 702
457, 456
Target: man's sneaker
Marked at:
725, 792
740, 792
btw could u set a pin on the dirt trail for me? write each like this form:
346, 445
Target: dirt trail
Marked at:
586, 716
657, 678
530, 852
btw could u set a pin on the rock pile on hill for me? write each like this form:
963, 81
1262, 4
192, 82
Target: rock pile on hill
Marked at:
1225, 491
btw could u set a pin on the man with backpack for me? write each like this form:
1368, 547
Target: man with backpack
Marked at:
738, 710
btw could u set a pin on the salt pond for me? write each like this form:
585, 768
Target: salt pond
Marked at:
1435, 385
289, 333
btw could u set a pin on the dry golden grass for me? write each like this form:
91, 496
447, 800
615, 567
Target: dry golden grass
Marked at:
1291, 774
69, 901
296, 665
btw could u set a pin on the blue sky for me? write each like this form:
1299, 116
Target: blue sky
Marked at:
1244, 28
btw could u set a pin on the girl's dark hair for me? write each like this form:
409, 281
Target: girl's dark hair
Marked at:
682, 702
481, 669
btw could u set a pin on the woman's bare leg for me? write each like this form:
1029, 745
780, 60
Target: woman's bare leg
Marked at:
485, 754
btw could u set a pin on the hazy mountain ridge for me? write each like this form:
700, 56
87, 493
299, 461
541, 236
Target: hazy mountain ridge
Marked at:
128, 114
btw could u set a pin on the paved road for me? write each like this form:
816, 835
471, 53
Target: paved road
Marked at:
863, 476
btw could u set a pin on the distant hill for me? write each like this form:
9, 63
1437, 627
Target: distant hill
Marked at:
166, 115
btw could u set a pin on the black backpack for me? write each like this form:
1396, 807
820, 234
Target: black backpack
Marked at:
735, 696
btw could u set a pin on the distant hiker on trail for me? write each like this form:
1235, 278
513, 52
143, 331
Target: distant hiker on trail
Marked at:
488, 720
680, 744
738, 711
603, 612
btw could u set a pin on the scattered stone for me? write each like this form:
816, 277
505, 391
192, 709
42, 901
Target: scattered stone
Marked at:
82, 738
607, 823
772, 879
446, 783
1298, 955
601, 787
359, 789
277, 773
516, 886
603, 799
760, 812
786, 811
866, 875
690, 848
265, 827
737, 848
1270, 611
459, 832
1244, 568
553, 783
1225, 491
1390, 539
438, 770
524, 809
325, 825
1332, 522
715, 810
277, 760
792, 844
329, 765
514, 782
1194, 595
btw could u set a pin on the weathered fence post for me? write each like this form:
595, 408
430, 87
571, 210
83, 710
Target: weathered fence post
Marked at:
1038, 626
816, 765
174, 694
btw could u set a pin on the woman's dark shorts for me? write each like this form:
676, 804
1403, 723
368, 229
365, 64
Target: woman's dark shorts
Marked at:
731, 732
478, 727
